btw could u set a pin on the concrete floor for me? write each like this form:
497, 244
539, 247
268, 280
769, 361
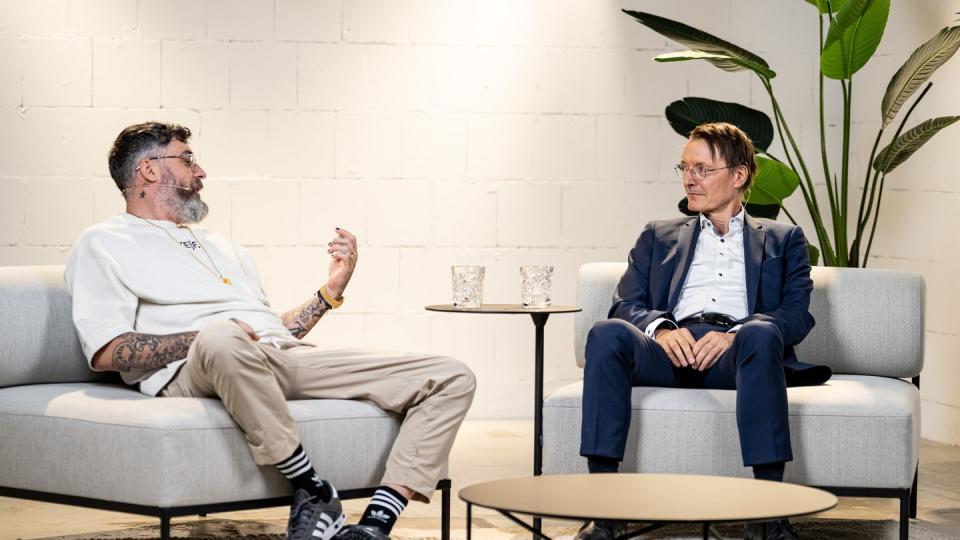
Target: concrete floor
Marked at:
485, 450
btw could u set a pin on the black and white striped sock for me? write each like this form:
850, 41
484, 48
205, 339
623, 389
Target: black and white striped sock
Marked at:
299, 470
384, 509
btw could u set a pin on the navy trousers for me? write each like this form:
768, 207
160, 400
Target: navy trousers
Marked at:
620, 356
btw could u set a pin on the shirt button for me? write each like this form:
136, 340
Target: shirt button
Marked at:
722, 240
713, 299
721, 274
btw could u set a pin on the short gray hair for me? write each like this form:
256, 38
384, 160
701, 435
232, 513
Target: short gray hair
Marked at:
135, 143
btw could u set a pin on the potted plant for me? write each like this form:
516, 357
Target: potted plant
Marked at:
854, 29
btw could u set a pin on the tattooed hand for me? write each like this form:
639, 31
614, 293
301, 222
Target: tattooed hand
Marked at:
246, 328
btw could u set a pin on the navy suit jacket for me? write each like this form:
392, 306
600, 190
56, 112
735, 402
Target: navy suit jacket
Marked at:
777, 275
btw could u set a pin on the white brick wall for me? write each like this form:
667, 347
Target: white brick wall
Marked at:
441, 132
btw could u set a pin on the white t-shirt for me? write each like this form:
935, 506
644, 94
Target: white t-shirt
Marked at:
127, 275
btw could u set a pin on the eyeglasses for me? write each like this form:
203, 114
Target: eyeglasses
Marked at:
699, 172
188, 158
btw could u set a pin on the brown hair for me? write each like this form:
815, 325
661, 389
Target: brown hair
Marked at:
135, 143
732, 145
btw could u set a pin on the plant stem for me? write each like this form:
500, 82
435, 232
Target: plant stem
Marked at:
810, 195
861, 219
876, 217
823, 145
841, 228
787, 212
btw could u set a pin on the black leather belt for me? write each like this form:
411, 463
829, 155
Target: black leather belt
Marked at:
718, 319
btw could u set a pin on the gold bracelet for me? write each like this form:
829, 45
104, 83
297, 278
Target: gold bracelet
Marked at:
325, 295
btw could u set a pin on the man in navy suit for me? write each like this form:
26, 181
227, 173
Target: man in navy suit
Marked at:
713, 301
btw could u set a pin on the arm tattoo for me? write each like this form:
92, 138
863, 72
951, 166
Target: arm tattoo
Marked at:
142, 352
302, 319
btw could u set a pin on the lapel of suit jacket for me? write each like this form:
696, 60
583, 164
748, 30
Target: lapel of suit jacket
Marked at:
686, 240
753, 238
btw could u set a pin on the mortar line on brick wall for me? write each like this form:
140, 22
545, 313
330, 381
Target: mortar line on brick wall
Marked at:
90, 103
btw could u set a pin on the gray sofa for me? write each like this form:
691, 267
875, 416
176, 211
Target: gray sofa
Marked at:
857, 435
72, 436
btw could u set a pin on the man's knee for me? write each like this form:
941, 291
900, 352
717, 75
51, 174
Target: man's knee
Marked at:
460, 378
609, 329
761, 334
608, 340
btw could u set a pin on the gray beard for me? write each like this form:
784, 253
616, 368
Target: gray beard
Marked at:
192, 210
185, 206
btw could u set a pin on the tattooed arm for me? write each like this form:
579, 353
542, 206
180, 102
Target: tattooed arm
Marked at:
140, 352
302, 319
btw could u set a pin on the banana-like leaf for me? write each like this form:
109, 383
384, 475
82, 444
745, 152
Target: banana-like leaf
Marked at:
689, 112
907, 143
701, 41
814, 254
917, 69
722, 61
774, 182
844, 53
769, 211
835, 5
844, 18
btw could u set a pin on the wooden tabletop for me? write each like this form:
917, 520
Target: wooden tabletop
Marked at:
502, 308
649, 497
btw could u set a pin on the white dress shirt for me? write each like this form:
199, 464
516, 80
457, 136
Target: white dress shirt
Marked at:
717, 279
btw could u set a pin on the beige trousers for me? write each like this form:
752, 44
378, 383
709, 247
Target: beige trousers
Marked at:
255, 380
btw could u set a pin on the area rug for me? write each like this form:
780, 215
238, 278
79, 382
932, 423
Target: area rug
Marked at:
214, 529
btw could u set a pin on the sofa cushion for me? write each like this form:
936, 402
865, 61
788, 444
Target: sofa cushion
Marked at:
857, 431
40, 343
110, 442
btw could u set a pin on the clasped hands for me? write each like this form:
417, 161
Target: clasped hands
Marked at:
685, 351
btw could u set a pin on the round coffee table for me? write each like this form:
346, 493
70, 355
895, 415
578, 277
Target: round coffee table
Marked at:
653, 499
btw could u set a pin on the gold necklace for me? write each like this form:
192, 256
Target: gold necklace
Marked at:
215, 271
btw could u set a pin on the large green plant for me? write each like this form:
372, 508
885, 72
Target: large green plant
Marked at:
853, 32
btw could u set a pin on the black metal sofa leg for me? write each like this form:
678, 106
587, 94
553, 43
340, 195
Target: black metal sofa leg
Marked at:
905, 516
913, 493
164, 525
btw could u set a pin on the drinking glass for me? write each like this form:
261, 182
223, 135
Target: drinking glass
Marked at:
535, 284
467, 286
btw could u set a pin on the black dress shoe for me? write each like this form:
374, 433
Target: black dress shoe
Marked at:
599, 530
779, 529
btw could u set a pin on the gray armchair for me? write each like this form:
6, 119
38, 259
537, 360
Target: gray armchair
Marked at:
857, 435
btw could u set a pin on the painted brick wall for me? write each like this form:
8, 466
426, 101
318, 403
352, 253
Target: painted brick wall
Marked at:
501, 132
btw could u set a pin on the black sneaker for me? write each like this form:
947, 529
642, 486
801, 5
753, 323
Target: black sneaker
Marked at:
771, 530
313, 519
361, 532
599, 530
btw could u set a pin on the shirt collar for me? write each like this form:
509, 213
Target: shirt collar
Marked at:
736, 222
